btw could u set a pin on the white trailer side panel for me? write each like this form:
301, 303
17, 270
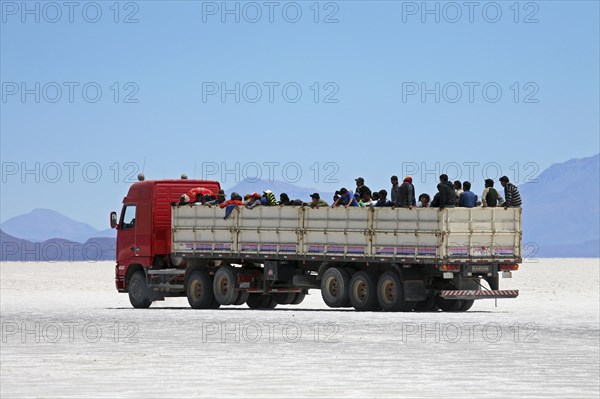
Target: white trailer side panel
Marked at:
378, 234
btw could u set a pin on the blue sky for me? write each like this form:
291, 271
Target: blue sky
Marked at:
360, 111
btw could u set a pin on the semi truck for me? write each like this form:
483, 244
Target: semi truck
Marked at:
371, 259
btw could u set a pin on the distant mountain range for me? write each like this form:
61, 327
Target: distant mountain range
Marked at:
561, 216
55, 249
561, 210
44, 224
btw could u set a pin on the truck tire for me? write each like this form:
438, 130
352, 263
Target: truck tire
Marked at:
468, 303
199, 290
305, 281
140, 296
363, 291
258, 301
224, 285
214, 304
298, 298
242, 297
428, 305
390, 293
284, 298
458, 305
335, 285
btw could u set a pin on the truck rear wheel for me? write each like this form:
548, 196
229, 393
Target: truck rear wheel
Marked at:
242, 297
284, 298
335, 285
258, 301
224, 285
298, 298
199, 290
458, 305
390, 293
139, 293
363, 291
428, 305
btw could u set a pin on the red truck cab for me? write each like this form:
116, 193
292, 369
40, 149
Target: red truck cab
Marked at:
144, 226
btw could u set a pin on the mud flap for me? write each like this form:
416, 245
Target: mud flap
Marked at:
414, 290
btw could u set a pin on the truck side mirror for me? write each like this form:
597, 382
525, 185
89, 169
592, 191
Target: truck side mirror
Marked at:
113, 219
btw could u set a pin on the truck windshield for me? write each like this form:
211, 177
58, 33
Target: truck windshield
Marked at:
128, 217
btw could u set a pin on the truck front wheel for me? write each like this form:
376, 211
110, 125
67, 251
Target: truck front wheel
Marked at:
139, 293
199, 290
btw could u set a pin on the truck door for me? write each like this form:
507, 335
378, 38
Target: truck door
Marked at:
126, 243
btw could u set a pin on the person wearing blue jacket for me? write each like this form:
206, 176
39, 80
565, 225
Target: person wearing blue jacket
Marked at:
467, 199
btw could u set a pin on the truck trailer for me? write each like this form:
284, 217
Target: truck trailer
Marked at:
390, 259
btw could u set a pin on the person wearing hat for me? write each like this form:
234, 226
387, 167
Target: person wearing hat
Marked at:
407, 194
270, 198
253, 200
511, 194
382, 201
317, 201
346, 199
221, 197
361, 189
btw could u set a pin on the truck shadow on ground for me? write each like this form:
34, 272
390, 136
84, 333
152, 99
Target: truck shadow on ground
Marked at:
349, 310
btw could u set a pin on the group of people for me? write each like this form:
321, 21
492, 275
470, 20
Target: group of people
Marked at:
449, 195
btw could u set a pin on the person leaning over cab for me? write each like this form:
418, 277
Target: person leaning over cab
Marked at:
346, 199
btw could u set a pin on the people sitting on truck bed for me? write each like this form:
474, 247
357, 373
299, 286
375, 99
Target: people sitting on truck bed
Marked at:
252, 200
447, 195
346, 199
458, 189
221, 197
269, 198
317, 202
395, 191
361, 189
467, 198
336, 197
284, 200
366, 200
382, 200
407, 194
424, 201
511, 194
236, 200
490, 197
